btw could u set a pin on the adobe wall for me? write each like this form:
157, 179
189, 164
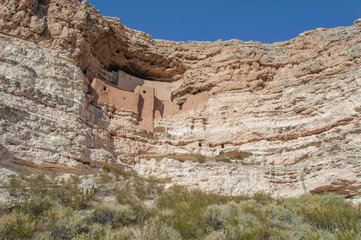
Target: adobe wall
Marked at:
146, 108
195, 102
147, 102
163, 90
110, 95
128, 82
165, 109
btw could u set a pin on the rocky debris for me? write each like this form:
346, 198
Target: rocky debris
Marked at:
234, 117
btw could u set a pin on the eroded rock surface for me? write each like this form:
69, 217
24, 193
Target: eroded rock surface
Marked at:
79, 89
45, 115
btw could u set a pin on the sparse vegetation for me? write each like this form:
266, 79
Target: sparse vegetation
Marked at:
121, 205
200, 158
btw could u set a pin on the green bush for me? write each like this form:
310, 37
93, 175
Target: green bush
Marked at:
114, 215
62, 232
348, 234
124, 206
15, 186
262, 197
159, 230
188, 209
5, 208
35, 206
328, 212
16, 225
71, 195
66, 191
201, 158
65, 223
213, 217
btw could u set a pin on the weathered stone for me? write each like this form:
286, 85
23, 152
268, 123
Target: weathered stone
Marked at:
37, 25
357, 22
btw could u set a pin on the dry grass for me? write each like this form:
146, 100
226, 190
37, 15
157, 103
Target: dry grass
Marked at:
123, 206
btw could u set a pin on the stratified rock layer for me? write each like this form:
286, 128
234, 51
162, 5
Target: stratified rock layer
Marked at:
234, 117
45, 115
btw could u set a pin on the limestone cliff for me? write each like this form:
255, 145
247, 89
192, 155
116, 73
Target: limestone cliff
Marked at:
79, 89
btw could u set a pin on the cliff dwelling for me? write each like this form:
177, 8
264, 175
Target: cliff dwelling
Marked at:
148, 99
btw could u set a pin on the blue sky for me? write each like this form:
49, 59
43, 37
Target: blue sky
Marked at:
200, 20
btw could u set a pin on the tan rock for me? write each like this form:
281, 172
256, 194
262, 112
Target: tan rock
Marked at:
37, 25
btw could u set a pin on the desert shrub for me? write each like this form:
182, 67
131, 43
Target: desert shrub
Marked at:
251, 231
188, 207
146, 189
348, 234
134, 194
76, 200
5, 208
257, 231
158, 230
16, 225
124, 233
137, 190
200, 158
125, 194
215, 235
177, 194
35, 206
70, 194
329, 211
64, 223
48, 206
103, 216
246, 220
99, 231
223, 159
213, 217
119, 172
256, 209
186, 216
114, 215
34, 183
67, 192
262, 197
138, 211
232, 232
40, 235
283, 215
62, 232
319, 234
15, 186
104, 177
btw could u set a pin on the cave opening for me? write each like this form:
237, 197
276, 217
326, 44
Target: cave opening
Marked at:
131, 70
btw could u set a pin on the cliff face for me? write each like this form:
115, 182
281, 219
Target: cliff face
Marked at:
79, 89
